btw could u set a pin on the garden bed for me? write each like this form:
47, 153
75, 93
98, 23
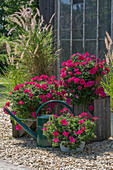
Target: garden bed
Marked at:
23, 151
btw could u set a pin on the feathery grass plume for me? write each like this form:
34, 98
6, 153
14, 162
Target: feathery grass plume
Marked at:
34, 44
107, 83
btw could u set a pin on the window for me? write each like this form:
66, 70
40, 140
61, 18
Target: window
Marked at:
81, 27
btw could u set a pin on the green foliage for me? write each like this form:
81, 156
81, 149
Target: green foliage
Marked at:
3, 52
69, 129
79, 78
107, 84
8, 7
26, 98
13, 76
33, 44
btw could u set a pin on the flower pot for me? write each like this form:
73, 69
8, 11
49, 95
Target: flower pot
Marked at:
66, 148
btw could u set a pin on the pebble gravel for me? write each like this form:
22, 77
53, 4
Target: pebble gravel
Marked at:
24, 152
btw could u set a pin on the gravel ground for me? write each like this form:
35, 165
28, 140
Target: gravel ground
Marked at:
23, 152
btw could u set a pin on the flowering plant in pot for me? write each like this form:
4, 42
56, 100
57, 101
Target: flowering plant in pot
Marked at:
26, 98
69, 130
79, 76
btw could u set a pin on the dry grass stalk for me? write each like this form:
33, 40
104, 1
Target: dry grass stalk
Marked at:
108, 43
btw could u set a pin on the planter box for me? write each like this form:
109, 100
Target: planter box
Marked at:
102, 111
30, 123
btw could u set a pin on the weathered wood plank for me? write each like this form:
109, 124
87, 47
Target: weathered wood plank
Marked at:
102, 111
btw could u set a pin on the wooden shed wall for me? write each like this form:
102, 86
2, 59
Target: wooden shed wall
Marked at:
47, 9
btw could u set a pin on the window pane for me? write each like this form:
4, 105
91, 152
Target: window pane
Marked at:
91, 47
65, 51
77, 47
65, 34
91, 19
105, 17
65, 13
78, 21
102, 49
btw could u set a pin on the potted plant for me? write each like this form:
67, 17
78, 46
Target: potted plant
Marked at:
26, 98
80, 77
68, 131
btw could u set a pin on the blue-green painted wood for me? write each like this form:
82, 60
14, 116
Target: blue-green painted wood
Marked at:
54, 101
26, 128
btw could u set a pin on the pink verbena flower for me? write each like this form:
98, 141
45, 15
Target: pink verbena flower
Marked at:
64, 122
18, 127
82, 81
79, 87
14, 112
27, 90
20, 102
65, 133
71, 138
79, 132
95, 118
7, 104
63, 75
91, 108
55, 140
81, 122
55, 134
4, 109
83, 128
92, 71
34, 114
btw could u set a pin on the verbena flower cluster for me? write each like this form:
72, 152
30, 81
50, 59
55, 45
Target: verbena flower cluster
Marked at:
69, 129
79, 78
26, 98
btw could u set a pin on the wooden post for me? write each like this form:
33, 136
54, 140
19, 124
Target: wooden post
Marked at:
103, 125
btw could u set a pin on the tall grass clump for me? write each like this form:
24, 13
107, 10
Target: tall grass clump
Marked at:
107, 83
33, 45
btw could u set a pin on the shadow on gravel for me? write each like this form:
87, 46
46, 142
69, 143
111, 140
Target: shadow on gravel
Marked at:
91, 151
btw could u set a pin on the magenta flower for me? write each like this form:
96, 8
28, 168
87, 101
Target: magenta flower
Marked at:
86, 54
81, 57
64, 122
14, 112
92, 71
4, 110
95, 118
79, 132
30, 95
83, 128
20, 102
27, 90
107, 69
91, 108
103, 73
55, 134
16, 88
18, 127
55, 140
81, 122
65, 133
76, 70
63, 75
76, 80
79, 87
71, 138
7, 104
34, 114
82, 81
